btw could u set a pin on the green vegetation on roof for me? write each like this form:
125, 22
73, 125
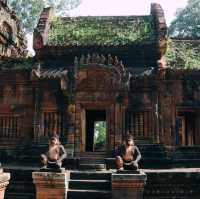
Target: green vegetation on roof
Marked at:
183, 54
83, 31
18, 64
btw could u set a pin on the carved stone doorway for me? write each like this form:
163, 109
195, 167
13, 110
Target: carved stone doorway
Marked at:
96, 133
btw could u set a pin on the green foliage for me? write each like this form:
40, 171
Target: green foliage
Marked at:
101, 30
62, 6
26, 64
18, 64
29, 10
187, 22
100, 135
182, 54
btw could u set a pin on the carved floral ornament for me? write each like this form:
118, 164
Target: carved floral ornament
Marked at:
109, 63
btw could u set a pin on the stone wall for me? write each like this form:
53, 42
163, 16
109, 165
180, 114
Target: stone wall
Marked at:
16, 108
12, 39
177, 184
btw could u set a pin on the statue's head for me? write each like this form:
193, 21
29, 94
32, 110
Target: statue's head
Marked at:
129, 140
54, 140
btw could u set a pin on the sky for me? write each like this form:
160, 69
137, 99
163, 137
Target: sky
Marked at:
127, 7
122, 7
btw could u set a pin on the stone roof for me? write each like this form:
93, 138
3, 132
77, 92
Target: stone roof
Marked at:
137, 40
106, 31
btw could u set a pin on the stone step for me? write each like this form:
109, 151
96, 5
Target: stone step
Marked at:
91, 161
93, 152
19, 196
90, 184
20, 185
91, 166
88, 194
158, 154
89, 175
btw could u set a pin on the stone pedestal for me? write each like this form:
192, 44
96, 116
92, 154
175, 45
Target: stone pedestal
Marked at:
4, 181
128, 185
51, 185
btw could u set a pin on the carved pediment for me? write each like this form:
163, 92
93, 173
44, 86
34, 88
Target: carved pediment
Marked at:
100, 73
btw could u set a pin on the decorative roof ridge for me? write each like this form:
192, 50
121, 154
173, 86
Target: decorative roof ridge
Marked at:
98, 59
106, 16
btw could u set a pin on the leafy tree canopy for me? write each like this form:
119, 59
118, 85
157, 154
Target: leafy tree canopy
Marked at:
187, 22
183, 54
29, 10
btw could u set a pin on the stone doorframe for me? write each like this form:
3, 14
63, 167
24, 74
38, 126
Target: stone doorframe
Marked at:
81, 123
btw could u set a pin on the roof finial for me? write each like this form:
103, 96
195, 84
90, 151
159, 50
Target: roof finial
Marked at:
88, 59
82, 59
76, 61
110, 59
116, 61
102, 59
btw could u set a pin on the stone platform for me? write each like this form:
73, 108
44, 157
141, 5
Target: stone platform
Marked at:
177, 183
128, 184
51, 185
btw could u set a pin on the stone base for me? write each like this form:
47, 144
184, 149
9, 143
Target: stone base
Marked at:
127, 185
60, 170
51, 185
4, 181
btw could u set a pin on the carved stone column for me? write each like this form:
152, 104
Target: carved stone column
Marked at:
51, 184
128, 185
36, 122
4, 181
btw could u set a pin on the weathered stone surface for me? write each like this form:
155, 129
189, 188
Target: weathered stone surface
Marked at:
128, 185
12, 40
51, 185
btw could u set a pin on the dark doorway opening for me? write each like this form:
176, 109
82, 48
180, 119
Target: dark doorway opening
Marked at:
95, 130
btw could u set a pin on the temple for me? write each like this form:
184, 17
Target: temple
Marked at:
91, 72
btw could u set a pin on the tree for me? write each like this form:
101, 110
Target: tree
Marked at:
187, 22
100, 135
183, 54
29, 10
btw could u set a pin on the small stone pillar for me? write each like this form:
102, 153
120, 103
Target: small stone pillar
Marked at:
127, 185
51, 185
4, 181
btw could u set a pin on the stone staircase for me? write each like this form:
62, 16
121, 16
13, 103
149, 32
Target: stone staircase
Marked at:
186, 156
154, 156
20, 185
90, 185
92, 160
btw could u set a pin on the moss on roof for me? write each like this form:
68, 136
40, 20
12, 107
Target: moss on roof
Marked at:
108, 31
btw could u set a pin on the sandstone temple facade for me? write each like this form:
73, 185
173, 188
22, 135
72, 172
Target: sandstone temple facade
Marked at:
91, 72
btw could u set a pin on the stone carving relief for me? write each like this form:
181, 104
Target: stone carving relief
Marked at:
99, 77
98, 72
12, 40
